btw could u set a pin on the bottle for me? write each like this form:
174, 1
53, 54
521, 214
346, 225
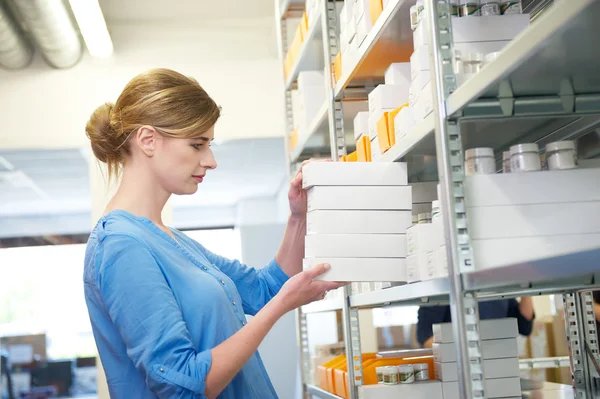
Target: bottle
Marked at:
525, 158
561, 155
469, 7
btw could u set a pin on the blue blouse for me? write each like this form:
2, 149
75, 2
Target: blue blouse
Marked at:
158, 307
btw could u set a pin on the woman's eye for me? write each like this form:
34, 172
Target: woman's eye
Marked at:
197, 146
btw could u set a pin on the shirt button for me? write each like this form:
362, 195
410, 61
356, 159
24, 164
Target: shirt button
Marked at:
204, 268
162, 370
243, 323
222, 282
233, 302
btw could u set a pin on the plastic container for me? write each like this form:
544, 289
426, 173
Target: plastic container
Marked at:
455, 9
379, 372
511, 7
488, 8
421, 372
480, 161
436, 211
414, 17
561, 155
525, 158
424, 218
420, 9
415, 219
390, 375
406, 374
469, 7
506, 162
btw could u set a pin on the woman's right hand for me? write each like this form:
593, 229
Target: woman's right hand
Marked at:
303, 288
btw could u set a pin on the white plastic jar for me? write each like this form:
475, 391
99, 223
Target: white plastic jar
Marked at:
489, 7
480, 161
561, 155
509, 7
506, 162
421, 372
424, 218
469, 7
525, 158
379, 372
390, 375
436, 211
406, 373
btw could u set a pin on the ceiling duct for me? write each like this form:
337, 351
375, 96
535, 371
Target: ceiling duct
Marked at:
51, 27
15, 51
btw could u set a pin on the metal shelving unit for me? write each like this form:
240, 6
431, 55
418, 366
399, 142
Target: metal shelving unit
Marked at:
543, 87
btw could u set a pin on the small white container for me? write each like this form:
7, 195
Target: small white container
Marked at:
424, 218
469, 7
506, 162
414, 17
525, 158
480, 161
510, 7
454, 8
421, 372
406, 374
561, 155
390, 375
436, 211
379, 372
489, 7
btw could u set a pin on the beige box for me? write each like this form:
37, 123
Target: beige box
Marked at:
361, 269
489, 28
421, 390
398, 73
490, 329
388, 96
358, 222
418, 238
360, 198
354, 174
355, 246
361, 125
506, 388
491, 349
492, 368
419, 61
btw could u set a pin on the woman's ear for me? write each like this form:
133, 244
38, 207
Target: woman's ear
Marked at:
146, 137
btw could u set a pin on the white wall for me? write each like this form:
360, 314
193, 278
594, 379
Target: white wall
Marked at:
235, 61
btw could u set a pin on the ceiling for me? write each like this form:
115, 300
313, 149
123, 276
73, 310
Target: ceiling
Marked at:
184, 10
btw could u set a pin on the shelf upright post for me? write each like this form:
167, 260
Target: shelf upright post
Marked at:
450, 158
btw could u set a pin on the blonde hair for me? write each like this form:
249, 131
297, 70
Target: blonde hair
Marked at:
174, 104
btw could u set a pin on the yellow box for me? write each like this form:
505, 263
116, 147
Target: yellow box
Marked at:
391, 116
337, 66
304, 26
363, 149
293, 140
383, 136
352, 157
376, 8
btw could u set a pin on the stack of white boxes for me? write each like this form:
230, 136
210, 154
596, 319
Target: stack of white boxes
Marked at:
421, 92
500, 358
357, 218
311, 97
537, 215
313, 8
362, 20
348, 34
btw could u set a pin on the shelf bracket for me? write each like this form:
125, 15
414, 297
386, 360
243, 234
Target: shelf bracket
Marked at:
304, 353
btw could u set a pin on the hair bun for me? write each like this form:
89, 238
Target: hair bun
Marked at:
102, 135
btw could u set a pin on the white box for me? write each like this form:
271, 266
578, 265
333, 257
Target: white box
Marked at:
374, 118
365, 287
420, 37
354, 174
391, 198
424, 192
403, 123
420, 81
488, 28
506, 388
421, 390
375, 150
307, 79
492, 368
442, 259
554, 186
388, 97
414, 265
398, 73
363, 26
489, 330
361, 124
360, 9
418, 238
419, 61
438, 233
355, 287
358, 222
431, 270
501, 252
534, 220
355, 246
490, 349
480, 47
377, 286
364, 269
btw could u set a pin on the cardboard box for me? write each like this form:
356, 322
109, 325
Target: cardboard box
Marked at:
358, 222
505, 388
544, 187
491, 349
418, 238
363, 27
337, 66
387, 97
490, 329
421, 390
492, 368
424, 193
374, 117
383, 136
414, 264
432, 265
403, 123
375, 9
420, 81
420, 37
489, 28
375, 151
392, 198
480, 47
361, 124
398, 73
442, 259
366, 287
309, 79
355, 246
361, 269
424, 104
354, 174
419, 61
363, 149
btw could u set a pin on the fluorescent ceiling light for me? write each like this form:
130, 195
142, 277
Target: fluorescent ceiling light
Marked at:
92, 26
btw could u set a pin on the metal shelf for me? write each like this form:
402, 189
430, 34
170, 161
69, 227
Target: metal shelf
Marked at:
306, 60
390, 40
544, 363
430, 292
319, 393
419, 141
291, 8
318, 125
325, 305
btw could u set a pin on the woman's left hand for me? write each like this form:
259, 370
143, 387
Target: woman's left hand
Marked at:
297, 196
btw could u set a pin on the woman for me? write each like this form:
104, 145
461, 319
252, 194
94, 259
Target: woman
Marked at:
167, 314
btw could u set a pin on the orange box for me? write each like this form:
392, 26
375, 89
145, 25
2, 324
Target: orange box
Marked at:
322, 370
363, 149
337, 66
338, 387
383, 136
343, 159
352, 157
376, 8
287, 64
391, 125
293, 140
304, 26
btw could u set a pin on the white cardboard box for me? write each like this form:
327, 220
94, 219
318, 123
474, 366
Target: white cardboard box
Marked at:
500, 252
418, 238
421, 390
442, 259
354, 174
375, 150
388, 97
358, 222
489, 330
403, 122
431, 270
506, 388
554, 186
363, 26
424, 192
361, 269
420, 81
355, 246
489, 28
480, 47
361, 124
491, 349
492, 368
413, 267
392, 198
307, 79
419, 61
424, 104
420, 34
398, 73
534, 220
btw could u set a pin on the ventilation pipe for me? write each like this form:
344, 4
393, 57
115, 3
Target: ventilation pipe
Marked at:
15, 51
51, 27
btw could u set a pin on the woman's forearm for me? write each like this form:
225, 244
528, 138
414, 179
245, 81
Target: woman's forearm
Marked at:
526, 307
291, 251
229, 357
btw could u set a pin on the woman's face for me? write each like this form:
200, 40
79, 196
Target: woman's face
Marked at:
181, 164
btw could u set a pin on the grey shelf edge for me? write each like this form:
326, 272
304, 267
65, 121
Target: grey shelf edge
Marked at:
291, 8
314, 125
518, 52
544, 363
404, 146
423, 292
320, 393
325, 305
313, 31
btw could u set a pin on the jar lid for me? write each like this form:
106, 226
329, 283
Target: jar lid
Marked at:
527, 147
560, 145
390, 370
479, 152
421, 366
407, 368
